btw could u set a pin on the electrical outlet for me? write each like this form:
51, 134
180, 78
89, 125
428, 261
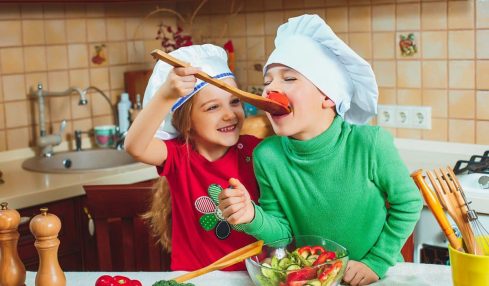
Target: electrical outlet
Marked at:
404, 116
421, 117
386, 115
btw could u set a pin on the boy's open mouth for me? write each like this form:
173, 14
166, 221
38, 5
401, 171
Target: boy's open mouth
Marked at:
229, 128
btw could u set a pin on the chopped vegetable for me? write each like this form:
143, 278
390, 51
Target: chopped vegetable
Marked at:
279, 98
171, 283
118, 280
330, 272
324, 257
305, 266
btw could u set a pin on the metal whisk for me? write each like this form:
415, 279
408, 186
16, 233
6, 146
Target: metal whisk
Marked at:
480, 232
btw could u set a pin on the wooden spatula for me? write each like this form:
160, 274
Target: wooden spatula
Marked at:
435, 207
228, 260
273, 107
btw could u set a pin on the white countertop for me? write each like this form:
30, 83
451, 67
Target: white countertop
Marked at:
402, 274
25, 188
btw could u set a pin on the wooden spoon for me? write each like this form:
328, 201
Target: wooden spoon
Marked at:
273, 107
228, 260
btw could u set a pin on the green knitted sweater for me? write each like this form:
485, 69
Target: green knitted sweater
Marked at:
336, 185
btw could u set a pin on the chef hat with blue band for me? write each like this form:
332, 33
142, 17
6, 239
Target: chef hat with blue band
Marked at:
308, 45
209, 58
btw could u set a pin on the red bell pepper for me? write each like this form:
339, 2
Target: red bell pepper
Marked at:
330, 270
305, 249
301, 275
310, 250
317, 249
325, 256
122, 280
118, 280
105, 280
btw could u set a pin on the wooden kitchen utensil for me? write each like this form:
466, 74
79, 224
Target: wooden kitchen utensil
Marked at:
261, 102
45, 228
480, 232
455, 207
12, 271
436, 209
228, 260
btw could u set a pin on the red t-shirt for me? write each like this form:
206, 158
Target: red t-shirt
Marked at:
200, 235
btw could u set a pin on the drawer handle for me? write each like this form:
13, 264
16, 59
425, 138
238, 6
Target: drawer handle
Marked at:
91, 225
24, 219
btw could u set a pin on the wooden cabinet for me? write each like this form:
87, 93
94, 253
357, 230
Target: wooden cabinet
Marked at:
69, 252
78, 247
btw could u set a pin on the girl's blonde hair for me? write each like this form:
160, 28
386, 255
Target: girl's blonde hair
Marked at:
159, 215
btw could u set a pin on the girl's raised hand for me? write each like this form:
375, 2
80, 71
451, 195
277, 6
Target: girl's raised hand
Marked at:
180, 82
235, 203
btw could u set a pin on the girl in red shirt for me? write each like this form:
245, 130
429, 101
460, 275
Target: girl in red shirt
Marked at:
196, 145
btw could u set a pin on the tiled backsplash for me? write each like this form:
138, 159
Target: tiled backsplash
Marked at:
55, 44
450, 71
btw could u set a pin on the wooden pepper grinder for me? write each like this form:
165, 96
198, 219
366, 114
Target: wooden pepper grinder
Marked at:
12, 271
45, 228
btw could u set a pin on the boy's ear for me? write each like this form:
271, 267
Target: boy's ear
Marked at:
328, 103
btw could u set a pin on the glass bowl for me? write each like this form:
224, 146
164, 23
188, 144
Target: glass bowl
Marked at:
305, 260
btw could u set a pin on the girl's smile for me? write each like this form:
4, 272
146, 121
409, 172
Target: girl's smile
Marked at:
217, 119
227, 129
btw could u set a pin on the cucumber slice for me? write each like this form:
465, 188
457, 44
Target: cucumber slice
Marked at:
301, 260
293, 267
264, 280
274, 262
267, 272
313, 282
284, 262
312, 258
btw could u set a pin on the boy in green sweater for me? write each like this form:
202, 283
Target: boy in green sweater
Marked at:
324, 174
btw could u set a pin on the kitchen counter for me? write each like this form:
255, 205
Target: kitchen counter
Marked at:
402, 274
25, 188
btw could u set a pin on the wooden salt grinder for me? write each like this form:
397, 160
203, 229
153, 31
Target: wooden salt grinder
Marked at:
12, 271
45, 228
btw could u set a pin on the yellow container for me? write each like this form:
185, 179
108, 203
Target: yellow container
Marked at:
469, 269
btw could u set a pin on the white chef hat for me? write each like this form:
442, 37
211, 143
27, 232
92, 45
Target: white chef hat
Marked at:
308, 45
209, 58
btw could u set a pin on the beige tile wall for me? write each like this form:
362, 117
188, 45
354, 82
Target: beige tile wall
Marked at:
54, 44
450, 72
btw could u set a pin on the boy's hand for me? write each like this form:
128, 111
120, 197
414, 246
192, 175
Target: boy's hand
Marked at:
357, 274
180, 82
235, 203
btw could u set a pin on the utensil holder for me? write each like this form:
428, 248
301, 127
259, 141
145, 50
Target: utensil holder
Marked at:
469, 269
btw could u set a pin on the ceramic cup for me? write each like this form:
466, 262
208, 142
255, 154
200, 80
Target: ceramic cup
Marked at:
105, 135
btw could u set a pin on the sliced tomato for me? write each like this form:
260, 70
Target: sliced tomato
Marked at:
278, 97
